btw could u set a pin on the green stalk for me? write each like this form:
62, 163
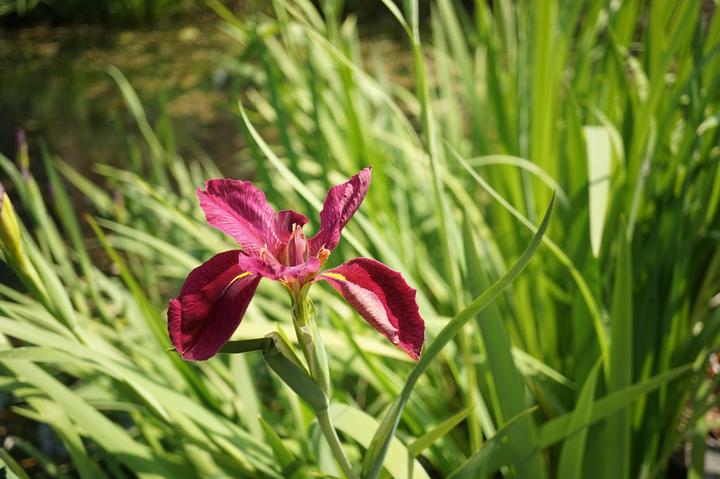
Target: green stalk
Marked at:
332, 438
314, 352
309, 341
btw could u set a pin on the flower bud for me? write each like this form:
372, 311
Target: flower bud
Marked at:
23, 158
9, 229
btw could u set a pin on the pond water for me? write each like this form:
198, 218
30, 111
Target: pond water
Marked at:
54, 84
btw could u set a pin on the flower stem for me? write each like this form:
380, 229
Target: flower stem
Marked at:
314, 353
334, 441
309, 341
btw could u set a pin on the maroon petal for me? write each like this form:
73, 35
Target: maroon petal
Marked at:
284, 222
240, 210
383, 298
340, 204
270, 268
211, 305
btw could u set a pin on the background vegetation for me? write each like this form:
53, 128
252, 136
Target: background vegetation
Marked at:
119, 12
598, 350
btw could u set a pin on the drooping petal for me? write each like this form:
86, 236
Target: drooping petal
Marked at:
270, 268
284, 222
383, 298
240, 210
340, 204
211, 305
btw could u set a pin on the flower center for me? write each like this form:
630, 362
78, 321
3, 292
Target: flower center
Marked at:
297, 247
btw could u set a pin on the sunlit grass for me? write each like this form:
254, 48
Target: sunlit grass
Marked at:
597, 350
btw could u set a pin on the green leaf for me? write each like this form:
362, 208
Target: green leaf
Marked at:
378, 448
562, 257
571, 456
9, 465
42, 460
495, 452
285, 459
97, 196
618, 430
159, 246
107, 434
498, 451
135, 106
696, 469
398, 15
246, 345
524, 165
294, 374
70, 437
557, 429
416, 447
599, 160
533, 367
359, 425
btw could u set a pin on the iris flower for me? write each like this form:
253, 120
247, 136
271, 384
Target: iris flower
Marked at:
216, 294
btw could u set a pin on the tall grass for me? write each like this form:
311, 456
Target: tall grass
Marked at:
598, 350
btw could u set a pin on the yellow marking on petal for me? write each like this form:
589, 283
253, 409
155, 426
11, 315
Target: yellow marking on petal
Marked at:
236, 278
336, 276
241, 276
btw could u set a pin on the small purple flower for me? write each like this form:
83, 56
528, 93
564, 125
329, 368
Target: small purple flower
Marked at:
216, 294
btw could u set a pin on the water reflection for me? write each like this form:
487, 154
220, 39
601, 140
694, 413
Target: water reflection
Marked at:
53, 84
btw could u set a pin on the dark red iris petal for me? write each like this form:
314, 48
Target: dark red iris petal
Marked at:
240, 210
211, 305
383, 298
284, 222
341, 203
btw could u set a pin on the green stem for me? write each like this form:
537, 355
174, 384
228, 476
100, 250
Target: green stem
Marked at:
332, 438
308, 339
312, 349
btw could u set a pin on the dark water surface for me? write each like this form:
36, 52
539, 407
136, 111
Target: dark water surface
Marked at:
54, 84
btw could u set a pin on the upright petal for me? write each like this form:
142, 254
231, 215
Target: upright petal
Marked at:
211, 305
240, 210
383, 298
340, 204
284, 222
297, 248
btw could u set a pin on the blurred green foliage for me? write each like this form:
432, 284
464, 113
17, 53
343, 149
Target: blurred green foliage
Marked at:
597, 350
113, 12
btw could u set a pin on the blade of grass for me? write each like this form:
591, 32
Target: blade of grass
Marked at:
378, 448
480, 463
359, 426
600, 328
599, 158
618, 428
416, 447
110, 436
570, 464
